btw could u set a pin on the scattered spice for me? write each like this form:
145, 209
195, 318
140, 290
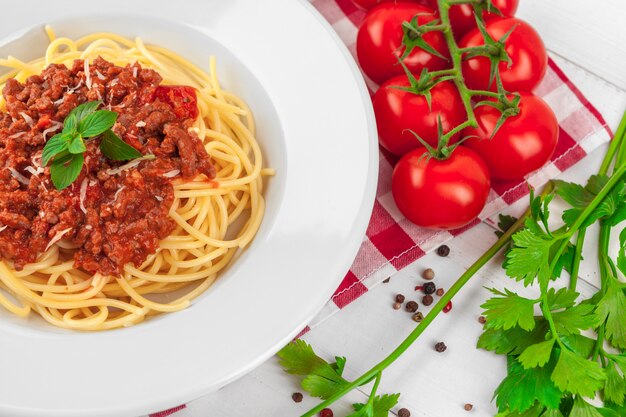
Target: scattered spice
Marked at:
427, 300
429, 288
443, 250
448, 307
441, 347
419, 287
297, 397
411, 306
428, 274
397, 306
418, 317
403, 412
399, 298
468, 407
386, 281
327, 412
482, 319
439, 292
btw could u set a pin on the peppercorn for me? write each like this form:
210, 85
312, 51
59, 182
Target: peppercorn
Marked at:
428, 274
327, 412
396, 306
429, 288
399, 298
297, 397
403, 412
468, 407
482, 319
411, 306
439, 292
443, 250
418, 317
441, 347
427, 300
386, 281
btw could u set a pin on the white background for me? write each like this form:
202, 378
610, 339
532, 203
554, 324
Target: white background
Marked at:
587, 38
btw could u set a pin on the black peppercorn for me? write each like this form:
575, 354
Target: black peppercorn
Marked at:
429, 288
427, 300
440, 347
297, 397
399, 298
411, 306
403, 412
428, 274
443, 250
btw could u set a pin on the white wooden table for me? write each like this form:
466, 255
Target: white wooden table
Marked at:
439, 384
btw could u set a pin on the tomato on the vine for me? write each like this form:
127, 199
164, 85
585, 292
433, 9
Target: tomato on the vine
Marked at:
529, 59
368, 4
463, 20
379, 42
522, 144
441, 194
398, 111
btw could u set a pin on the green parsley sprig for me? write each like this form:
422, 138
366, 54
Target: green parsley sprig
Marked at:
64, 151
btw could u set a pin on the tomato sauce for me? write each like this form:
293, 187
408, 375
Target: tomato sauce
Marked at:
115, 212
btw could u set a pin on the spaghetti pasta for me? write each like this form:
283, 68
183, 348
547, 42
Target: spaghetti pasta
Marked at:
213, 221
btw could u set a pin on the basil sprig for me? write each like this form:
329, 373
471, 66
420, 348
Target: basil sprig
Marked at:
65, 150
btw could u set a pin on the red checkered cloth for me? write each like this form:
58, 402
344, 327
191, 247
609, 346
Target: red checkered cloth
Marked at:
392, 242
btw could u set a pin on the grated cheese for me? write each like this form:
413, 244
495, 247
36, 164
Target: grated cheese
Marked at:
87, 75
59, 101
3, 227
17, 135
83, 194
56, 126
28, 119
57, 237
118, 193
158, 198
34, 171
89, 227
129, 165
19, 176
99, 74
135, 72
140, 123
172, 173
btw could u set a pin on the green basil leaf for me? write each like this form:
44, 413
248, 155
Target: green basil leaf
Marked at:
96, 123
77, 145
55, 145
65, 170
84, 110
113, 147
70, 124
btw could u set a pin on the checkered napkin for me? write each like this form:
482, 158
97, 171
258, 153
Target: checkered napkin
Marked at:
392, 242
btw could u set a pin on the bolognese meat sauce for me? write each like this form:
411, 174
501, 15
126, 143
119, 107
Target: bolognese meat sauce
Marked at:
115, 212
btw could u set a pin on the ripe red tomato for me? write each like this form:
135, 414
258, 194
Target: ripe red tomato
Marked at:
368, 4
529, 59
523, 143
397, 110
463, 20
441, 194
379, 42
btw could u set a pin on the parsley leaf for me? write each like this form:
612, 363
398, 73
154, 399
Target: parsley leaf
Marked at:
529, 257
537, 355
512, 341
509, 310
575, 319
505, 223
577, 375
583, 409
563, 298
615, 385
379, 408
113, 147
621, 257
65, 170
321, 378
581, 345
611, 310
523, 387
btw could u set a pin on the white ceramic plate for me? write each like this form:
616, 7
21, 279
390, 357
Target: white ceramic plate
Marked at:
315, 127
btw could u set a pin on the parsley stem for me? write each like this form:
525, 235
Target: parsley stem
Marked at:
375, 388
430, 317
578, 255
614, 147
